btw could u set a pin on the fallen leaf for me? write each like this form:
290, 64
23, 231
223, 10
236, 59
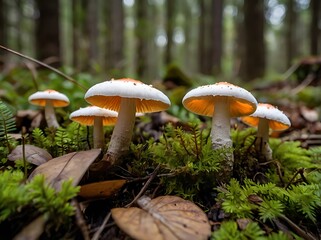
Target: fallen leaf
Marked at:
34, 155
165, 217
72, 165
101, 189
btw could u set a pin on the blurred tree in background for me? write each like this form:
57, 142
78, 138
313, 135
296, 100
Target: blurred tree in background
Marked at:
224, 39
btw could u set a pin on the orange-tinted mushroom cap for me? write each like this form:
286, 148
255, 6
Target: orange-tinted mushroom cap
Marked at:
41, 97
278, 121
108, 95
202, 100
86, 116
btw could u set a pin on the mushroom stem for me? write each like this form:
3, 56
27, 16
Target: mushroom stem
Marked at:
99, 141
262, 141
123, 131
50, 115
220, 133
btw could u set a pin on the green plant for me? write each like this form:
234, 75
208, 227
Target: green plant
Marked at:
267, 202
17, 196
229, 231
63, 140
7, 125
186, 158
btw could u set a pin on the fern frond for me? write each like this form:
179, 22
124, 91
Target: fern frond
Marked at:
7, 124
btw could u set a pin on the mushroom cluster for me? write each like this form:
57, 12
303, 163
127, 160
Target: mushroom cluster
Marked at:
118, 102
127, 97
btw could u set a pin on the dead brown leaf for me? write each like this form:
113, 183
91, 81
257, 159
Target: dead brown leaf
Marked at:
101, 189
165, 217
70, 166
34, 155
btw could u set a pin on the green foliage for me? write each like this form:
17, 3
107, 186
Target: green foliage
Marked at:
62, 140
186, 158
7, 125
269, 200
15, 195
230, 231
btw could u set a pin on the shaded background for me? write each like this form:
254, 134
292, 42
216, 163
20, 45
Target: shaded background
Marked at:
140, 38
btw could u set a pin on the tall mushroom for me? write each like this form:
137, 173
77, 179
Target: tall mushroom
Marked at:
221, 101
264, 118
125, 96
49, 99
97, 117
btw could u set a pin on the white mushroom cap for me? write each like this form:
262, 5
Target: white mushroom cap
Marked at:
87, 115
278, 121
109, 93
41, 97
202, 100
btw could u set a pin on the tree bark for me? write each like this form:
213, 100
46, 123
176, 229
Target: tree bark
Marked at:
170, 24
254, 59
92, 32
141, 32
315, 28
290, 38
216, 36
47, 30
201, 37
3, 32
115, 38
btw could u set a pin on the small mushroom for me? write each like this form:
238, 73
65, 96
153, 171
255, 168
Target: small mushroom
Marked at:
264, 118
49, 99
127, 97
221, 101
97, 117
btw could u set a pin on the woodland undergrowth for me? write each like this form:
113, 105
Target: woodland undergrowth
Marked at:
284, 193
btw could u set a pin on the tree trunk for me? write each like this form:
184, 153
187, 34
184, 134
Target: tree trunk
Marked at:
290, 37
315, 28
75, 34
115, 38
141, 32
254, 59
92, 32
170, 24
47, 30
3, 32
215, 38
201, 37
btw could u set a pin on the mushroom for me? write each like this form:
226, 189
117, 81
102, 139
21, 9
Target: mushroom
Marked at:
97, 117
264, 118
49, 99
125, 96
221, 101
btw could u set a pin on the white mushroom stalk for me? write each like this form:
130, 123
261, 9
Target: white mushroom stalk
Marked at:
264, 118
127, 97
123, 131
97, 117
220, 132
221, 101
49, 99
50, 115
98, 133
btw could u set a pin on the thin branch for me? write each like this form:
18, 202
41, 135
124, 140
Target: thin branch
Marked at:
80, 221
45, 65
141, 192
101, 228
